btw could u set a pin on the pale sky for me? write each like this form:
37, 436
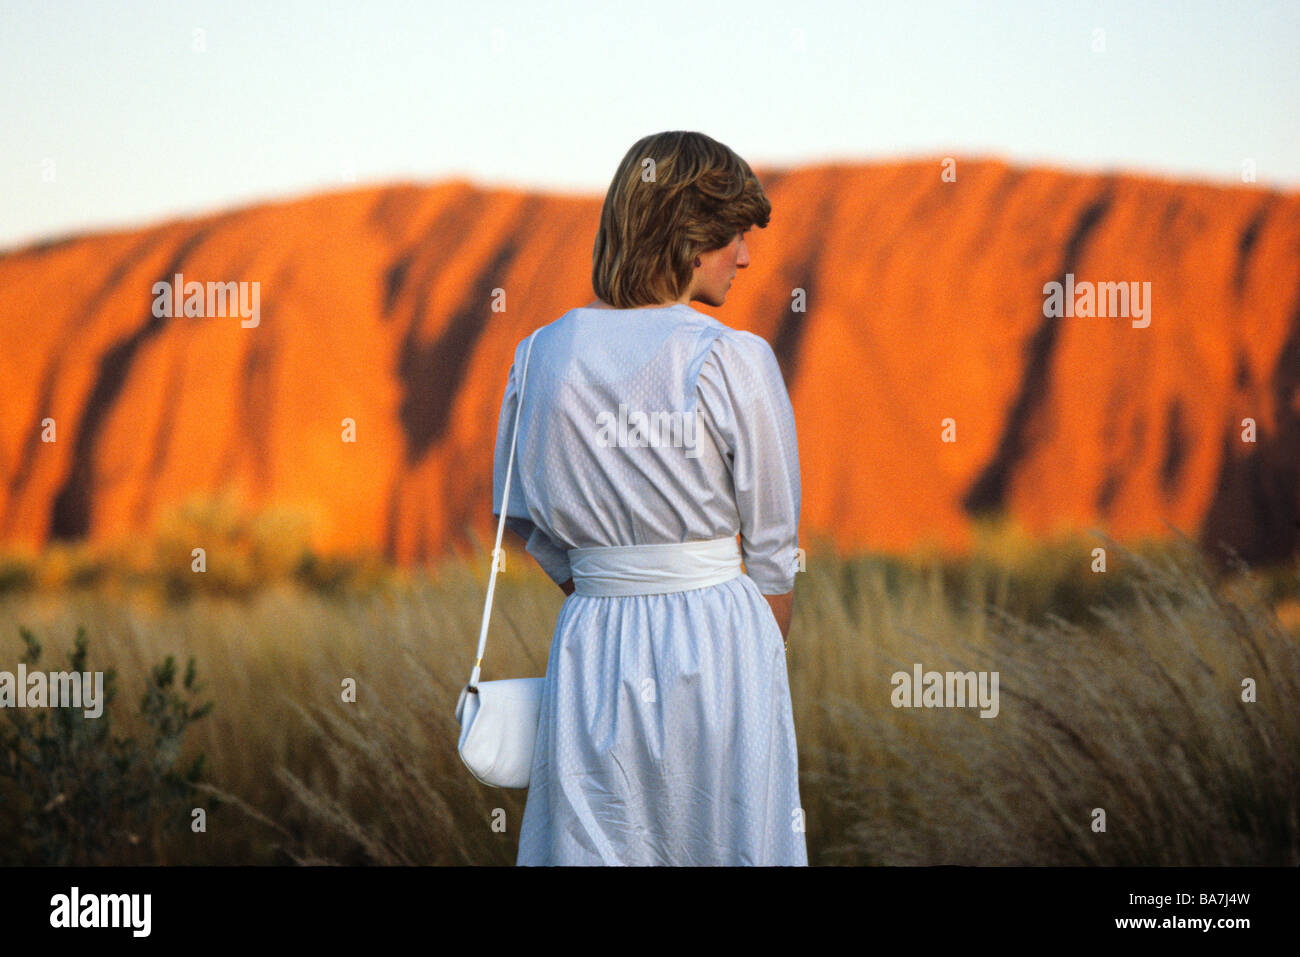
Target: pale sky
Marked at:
134, 113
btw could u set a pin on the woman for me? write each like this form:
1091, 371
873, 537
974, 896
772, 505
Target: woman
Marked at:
650, 436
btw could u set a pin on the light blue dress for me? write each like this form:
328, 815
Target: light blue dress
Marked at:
666, 733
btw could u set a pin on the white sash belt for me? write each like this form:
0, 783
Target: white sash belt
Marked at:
653, 569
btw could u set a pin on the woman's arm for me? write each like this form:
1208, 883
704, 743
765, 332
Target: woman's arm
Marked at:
748, 411
551, 557
782, 611
566, 586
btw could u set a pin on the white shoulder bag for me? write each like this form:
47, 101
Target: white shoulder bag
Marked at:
498, 719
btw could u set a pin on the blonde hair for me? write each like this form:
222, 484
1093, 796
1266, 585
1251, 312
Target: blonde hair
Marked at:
675, 194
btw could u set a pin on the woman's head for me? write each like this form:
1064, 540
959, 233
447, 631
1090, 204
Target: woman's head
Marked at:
675, 196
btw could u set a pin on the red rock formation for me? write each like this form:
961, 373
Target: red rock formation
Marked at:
924, 302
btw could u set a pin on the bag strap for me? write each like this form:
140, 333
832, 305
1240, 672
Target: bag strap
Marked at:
497, 554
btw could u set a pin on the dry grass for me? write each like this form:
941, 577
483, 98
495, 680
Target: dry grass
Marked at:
1137, 711
1119, 691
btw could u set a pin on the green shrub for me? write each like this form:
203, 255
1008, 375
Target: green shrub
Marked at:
73, 792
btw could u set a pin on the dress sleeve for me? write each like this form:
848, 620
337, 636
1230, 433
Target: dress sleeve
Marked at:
749, 413
553, 559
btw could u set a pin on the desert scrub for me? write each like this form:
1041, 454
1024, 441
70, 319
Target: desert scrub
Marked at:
74, 792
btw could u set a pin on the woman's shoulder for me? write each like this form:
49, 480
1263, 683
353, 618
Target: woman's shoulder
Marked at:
731, 346
737, 362
679, 320
710, 338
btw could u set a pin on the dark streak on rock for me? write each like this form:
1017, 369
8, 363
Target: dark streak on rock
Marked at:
789, 333
1109, 489
1172, 209
70, 516
394, 208
1246, 245
1255, 508
257, 405
432, 375
988, 491
1175, 457
251, 435
43, 247
392, 515
428, 256
394, 280
28, 457
787, 338
160, 446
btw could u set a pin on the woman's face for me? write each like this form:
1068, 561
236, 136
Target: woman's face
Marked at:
717, 267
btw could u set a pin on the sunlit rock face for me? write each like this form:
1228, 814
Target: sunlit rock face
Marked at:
942, 350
